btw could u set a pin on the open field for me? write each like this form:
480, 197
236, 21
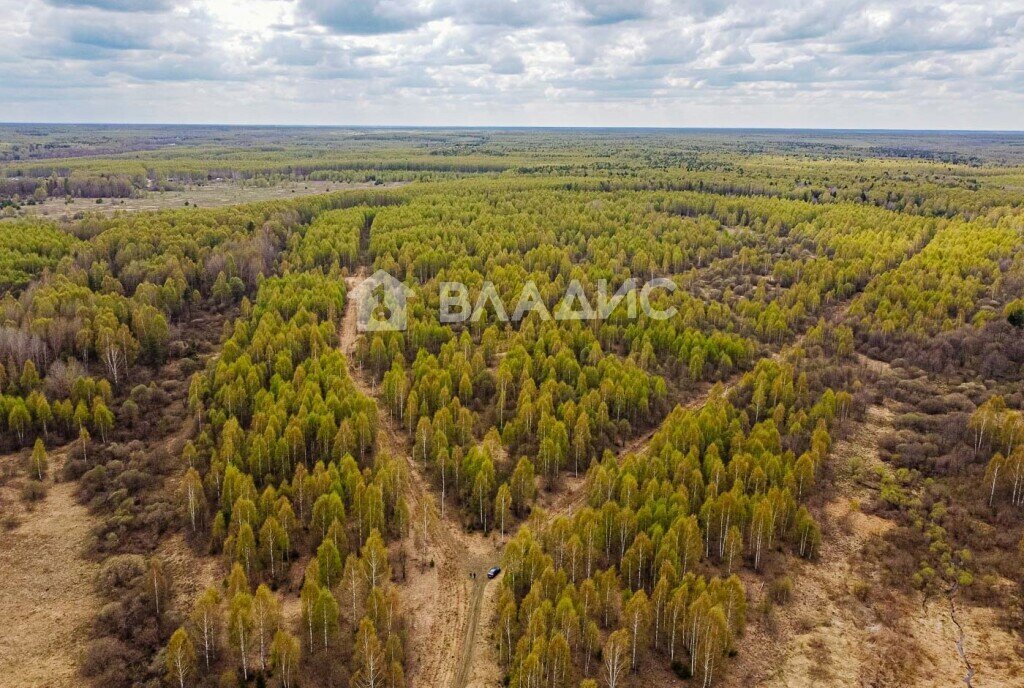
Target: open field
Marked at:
208, 195
46, 595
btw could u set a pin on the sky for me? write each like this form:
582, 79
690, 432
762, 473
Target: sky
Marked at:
705, 63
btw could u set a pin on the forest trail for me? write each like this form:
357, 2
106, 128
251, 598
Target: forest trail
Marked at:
469, 639
442, 598
639, 444
47, 595
348, 336
191, 570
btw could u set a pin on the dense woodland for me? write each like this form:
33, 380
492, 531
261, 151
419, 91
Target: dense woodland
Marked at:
185, 368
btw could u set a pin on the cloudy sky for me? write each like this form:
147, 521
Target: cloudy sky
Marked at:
831, 63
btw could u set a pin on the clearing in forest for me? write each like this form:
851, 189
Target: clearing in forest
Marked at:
47, 594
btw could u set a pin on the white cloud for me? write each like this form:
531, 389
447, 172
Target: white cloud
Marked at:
839, 63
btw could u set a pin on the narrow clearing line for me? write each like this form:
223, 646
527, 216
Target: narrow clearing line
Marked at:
567, 502
443, 600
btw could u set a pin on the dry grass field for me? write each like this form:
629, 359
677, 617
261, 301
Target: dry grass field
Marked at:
47, 595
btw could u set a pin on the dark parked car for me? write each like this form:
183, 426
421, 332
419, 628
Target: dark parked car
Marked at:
494, 572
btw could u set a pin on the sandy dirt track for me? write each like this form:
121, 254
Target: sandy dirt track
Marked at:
447, 609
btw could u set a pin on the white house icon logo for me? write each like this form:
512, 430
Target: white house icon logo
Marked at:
380, 303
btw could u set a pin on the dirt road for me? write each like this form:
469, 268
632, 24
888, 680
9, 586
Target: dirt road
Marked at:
444, 594
348, 334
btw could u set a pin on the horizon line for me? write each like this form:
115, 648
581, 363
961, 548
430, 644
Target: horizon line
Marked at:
512, 127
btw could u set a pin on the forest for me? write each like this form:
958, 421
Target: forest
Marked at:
831, 421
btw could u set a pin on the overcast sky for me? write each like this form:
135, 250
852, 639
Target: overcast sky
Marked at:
833, 63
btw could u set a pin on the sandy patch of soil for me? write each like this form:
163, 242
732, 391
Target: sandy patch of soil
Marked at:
47, 598
990, 648
843, 627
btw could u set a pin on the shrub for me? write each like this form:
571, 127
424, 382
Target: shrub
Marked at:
781, 590
120, 573
33, 491
107, 662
